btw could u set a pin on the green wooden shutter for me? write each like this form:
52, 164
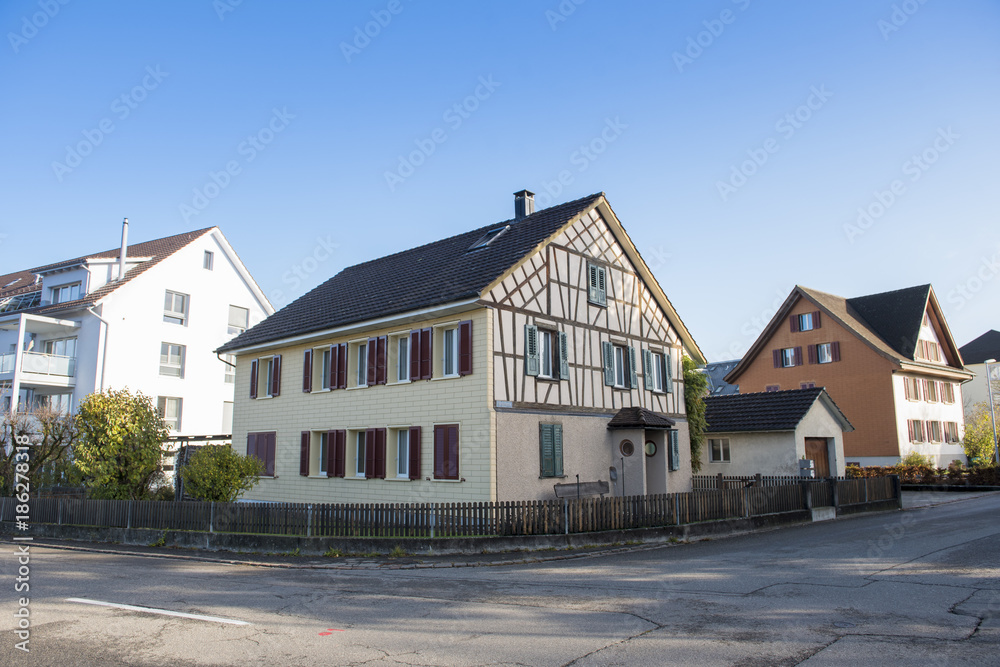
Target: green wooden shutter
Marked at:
592, 289
675, 451
557, 450
602, 287
609, 363
563, 356
633, 380
647, 370
546, 450
669, 373
531, 361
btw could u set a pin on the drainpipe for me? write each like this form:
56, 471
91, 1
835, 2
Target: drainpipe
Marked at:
104, 350
124, 251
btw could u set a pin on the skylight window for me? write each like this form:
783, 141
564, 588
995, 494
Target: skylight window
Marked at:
488, 238
13, 282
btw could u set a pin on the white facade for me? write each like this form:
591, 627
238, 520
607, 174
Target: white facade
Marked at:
118, 342
926, 411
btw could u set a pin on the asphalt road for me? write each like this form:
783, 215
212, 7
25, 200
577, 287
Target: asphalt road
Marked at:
920, 587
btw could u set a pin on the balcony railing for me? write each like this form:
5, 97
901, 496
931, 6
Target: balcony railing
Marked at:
41, 364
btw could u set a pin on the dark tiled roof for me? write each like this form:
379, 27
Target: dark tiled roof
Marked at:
640, 418
895, 316
979, 350
434, 274
762, 411
157, 250
716, 373
19, 282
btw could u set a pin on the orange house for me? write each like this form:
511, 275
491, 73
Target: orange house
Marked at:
888, 360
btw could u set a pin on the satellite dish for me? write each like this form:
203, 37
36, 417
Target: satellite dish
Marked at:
613, 473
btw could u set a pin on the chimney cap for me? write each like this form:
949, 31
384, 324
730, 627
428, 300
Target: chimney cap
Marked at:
524, 193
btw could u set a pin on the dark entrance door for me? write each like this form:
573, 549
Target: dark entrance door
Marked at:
817, 451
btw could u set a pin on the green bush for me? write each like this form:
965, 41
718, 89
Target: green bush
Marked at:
221, 474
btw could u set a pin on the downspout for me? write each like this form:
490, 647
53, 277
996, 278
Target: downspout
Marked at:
104, 351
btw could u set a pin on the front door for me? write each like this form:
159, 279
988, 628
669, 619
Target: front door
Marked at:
817, 451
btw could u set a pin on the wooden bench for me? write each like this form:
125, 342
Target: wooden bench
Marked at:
581, 489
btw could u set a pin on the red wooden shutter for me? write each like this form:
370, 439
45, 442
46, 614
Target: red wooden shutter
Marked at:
342, 366
816, 320
909, 428
252, 444
372, 360
253, 378
331, 453
835, 351
927, 393
269, 447
777, 358
304, 454
369, 453
380, 360
811, 349
339, 453
414, 452
426, 354
414, 355
906, 388
440, 441
333, 371
465, 348
307, 371
276, 376
380, 453
798, 356
793, 321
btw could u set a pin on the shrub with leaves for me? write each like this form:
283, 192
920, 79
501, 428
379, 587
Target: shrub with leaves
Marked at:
51, 434
219, 473
978, 440
695, 390
120, 448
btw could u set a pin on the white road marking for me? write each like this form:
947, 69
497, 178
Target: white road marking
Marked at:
164, 612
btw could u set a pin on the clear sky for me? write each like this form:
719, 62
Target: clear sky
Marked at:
849, 146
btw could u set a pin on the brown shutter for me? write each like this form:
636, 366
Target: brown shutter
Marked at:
465, 348
451, 467
369, 453
380, 453
414, 355
793, 321
909, 428
333, 371
269, 447
906, 388
339, 453
304, 454
816, 320
307, 371
426, 354
252, 444
331, 453
835, 351
414, 452
380, 360
253, 378
440, 441
927, 393
342, 366
372, 360
276, 376
777, 358
811, 349
798, 356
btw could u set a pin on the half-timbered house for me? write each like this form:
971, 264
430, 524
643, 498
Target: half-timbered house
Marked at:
491, 365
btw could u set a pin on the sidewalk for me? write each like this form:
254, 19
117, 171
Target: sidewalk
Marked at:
918, 499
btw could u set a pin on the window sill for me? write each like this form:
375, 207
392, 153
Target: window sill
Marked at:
356, 478
554, 477
263, 398
445, 377
317, 477
326, 390
360, 386
398, 479
399, 382
447, 481
546, 378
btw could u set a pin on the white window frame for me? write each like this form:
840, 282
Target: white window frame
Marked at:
725, 453
403, 453
361, 360
208, 263
324, 454
449, 351
171, 361
269, 377
175, 316
163, 403
658, 378
65, 293
824, 353
230, 376
620, 360
806, 322
546, 352
788, 357
234, 329
360, 450
399, 357
324, 360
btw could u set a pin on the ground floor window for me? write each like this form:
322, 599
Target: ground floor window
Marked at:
550, 450
718, 450
446, 451
170, 410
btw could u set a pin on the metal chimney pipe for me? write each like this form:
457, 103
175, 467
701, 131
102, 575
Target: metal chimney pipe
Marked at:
124, 251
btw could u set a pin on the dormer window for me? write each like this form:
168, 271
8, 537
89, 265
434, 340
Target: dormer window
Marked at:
488, 238
64, 293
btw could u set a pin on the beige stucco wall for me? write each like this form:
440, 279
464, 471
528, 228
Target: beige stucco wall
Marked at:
463, 400
589, 450
778, 452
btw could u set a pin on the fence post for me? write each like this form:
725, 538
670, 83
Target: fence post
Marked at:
759, 479
128, 520
211, 516
721, 483
864, 480
746, 502
834, 491
897, 490
433, 519
309, 520
807, 495
565, 516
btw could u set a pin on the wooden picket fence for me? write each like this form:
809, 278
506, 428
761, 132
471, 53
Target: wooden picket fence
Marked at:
431, 520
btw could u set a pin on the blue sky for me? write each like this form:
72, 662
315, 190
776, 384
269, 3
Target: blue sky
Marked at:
736, 140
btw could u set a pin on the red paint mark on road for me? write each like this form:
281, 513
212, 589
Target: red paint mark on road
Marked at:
330, 631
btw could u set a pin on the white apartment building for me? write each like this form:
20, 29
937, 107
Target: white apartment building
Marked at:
146, 317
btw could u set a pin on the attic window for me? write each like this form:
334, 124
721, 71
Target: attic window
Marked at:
488, 238
13, 282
